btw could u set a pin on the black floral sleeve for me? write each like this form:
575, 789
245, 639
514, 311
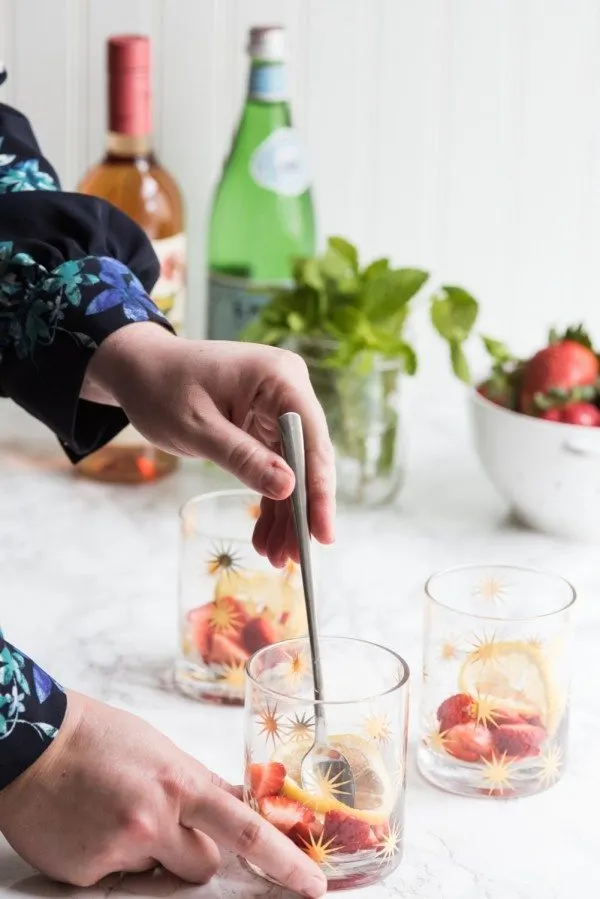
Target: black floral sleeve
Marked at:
73, 269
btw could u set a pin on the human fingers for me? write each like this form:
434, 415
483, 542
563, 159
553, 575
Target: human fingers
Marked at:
189, 854
262, 528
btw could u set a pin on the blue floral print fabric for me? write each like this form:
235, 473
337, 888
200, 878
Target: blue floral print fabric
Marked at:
73, 270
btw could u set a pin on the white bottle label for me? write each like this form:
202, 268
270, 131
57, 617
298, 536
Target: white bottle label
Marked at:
279, 164
169, 290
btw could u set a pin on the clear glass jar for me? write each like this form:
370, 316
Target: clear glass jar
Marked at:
362, 407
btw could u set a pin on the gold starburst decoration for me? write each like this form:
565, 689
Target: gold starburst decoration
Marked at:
319, 849
323, 783
535, 643
550, 765
485, 649
491, 589
436, 740
270, 720
485, 710
223, 559
390, 844
497, 774
299, 728
224, 615
377, 727
449, 652
296, 668
233, 676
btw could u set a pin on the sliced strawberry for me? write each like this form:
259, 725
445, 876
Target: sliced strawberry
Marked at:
518, 740
284, 813
230, 615
507, 712
346, 833
199, 620
258, 633
458, 709
381, 831
468, 742
225, 650
585, 414
266, 780
304, 834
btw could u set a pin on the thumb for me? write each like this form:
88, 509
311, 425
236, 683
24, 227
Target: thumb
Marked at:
250, 461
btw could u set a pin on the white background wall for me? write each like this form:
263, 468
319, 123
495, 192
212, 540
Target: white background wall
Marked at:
460, 135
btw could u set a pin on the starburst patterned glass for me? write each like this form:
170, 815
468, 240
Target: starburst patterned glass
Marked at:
495, 701
231, 601
366, 708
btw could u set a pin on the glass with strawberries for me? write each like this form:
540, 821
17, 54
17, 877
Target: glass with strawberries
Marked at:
496, 671
232, 602
366, 717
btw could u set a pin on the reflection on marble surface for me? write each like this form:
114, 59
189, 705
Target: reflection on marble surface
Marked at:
114, 635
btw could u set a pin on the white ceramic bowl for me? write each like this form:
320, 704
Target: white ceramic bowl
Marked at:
548, 472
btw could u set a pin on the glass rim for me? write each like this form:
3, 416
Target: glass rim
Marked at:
311, 701
524, 569
214, 494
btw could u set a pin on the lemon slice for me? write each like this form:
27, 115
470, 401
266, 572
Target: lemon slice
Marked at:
374, 795
514, 673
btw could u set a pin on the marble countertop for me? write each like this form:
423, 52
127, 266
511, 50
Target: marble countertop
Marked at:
96, 566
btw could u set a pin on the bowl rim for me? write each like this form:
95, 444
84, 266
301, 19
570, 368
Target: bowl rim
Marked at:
477, 399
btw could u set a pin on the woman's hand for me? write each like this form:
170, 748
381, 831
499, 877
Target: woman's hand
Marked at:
222, 401
113, 794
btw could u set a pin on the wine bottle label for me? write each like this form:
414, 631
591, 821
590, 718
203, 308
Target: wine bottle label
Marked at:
268, 82
169, 290
279, 164
232, 304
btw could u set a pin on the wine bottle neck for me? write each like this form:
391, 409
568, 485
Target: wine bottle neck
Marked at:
268, 82
128, 146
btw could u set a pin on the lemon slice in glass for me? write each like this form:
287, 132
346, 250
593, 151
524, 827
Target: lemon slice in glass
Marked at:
514, 673
374, 794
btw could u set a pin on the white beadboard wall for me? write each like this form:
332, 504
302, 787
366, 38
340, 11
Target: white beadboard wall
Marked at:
459, 135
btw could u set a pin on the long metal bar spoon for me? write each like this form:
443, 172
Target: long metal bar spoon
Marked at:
323, 766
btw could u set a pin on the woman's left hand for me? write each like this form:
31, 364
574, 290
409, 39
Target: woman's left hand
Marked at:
222, 401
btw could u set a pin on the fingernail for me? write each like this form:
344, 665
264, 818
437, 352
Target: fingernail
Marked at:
275, 482
315, 887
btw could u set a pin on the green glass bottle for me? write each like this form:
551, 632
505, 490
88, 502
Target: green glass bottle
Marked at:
262, 214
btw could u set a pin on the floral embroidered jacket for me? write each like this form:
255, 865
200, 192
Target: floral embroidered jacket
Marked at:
73, 269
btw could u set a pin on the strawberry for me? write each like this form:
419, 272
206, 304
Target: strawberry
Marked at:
347, 834
284, 813
266, 780
507, 712
258, 633
458, 709
468, 742
225, 650
199, 620
553, 414
563, 365
518, 740
585, 414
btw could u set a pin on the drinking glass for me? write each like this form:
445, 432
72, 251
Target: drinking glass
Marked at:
494, 714
232, 602
365, 710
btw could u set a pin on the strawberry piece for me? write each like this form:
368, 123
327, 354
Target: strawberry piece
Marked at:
552, 415
225, 650
347, 834
199, 620
258, 633
266, 780
468, 742
585, 414
518, 740
284, 813
306, 834
561, 366
458, 709
381, 832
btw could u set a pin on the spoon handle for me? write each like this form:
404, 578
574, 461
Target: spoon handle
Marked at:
292, 442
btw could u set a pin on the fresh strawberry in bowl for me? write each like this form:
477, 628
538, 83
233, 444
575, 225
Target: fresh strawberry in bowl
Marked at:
536, 424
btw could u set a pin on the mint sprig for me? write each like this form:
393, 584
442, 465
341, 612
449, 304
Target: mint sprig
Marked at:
361, 311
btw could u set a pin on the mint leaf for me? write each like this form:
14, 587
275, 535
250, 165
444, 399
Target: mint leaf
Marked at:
375, 269
387, 294
346, 250
498, 351
453, 313
460, 366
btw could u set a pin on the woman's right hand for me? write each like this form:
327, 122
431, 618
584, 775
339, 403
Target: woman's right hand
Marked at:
113, 794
